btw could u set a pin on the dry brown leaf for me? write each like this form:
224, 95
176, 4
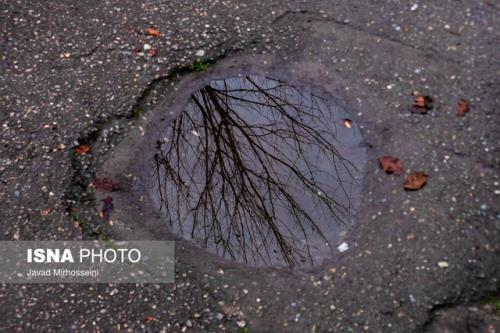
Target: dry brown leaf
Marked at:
416, 181
463, 107
391, 164
419, 101
153, 32
82, 149
422, 104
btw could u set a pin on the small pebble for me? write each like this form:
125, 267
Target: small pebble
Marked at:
443, 264
343, 247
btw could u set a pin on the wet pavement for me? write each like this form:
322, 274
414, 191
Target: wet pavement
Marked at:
85, 73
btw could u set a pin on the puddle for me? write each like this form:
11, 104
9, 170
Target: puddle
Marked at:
261, 172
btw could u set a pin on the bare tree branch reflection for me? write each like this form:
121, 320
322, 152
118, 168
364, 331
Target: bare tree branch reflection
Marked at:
251, 170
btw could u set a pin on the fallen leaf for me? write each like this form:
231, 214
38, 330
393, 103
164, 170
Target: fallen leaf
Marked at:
416, 181
153, 32
104, 184
107, 208
422, 104
463, 107
149, 319
391, 164
46, 211
419, 101
152, 52
82, 149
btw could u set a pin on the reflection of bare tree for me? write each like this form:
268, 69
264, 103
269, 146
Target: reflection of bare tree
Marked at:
248, 168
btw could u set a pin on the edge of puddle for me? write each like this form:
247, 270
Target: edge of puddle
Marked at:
136, 216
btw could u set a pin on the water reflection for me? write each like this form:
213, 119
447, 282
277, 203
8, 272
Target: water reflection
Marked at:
261, 172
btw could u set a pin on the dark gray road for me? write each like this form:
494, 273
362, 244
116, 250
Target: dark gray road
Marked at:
418, 261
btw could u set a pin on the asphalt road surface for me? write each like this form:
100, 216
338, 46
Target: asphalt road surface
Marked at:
87, 72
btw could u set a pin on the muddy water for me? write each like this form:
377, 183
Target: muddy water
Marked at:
259, 171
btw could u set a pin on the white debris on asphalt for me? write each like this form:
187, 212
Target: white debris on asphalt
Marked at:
443, 264
343, 247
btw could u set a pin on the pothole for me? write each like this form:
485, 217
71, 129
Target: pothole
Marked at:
260, 171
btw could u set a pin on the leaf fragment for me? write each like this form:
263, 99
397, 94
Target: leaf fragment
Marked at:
391, 165
153, 32
82, 149
463, 107
416, 181
347, 123
422, 104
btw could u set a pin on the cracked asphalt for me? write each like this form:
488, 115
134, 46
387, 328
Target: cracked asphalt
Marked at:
82, 72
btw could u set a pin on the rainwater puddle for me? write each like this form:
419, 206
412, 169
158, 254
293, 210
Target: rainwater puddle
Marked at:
261, 172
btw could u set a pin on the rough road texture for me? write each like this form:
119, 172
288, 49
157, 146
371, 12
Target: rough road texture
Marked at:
70, 67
